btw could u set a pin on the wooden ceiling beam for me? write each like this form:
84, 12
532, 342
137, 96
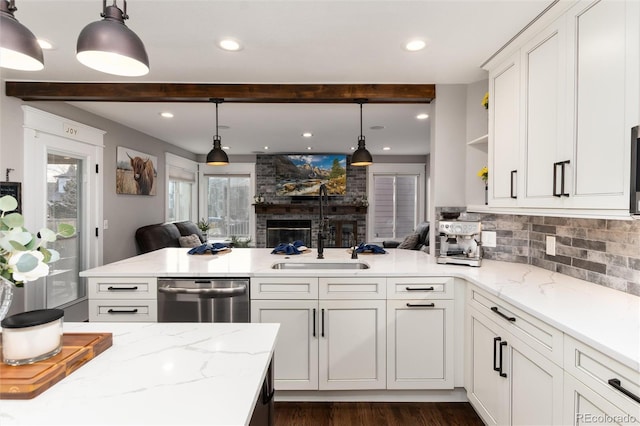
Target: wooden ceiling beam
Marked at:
194, 92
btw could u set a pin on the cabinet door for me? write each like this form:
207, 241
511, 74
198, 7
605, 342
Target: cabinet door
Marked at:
535, 394
420, 344
603, 66
583, 406
296, 353
352, 344
543, 100
504, 132
486, 389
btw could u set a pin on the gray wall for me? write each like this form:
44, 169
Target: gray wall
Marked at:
125, 213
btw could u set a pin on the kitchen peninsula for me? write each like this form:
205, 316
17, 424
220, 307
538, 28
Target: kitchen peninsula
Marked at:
385, 313
159, 374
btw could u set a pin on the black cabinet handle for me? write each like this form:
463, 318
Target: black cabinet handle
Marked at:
495, 309
419, 288
616, 384
495, 353
123, 311
562, 165
421, 305
322, 332
514, 173
314, 322
502, 345
132, 288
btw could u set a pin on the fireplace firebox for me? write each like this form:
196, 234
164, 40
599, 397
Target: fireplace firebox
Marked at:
288, 231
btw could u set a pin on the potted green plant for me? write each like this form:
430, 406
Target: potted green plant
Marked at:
204, 225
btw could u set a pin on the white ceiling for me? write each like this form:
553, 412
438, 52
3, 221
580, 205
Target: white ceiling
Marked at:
304, 41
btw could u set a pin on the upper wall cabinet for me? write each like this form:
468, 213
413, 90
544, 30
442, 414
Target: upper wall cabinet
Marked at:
576, 99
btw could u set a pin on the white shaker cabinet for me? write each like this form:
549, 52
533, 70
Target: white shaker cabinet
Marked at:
504, 83
575, 87
509, 383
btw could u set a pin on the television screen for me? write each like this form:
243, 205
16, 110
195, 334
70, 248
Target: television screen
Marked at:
302, 174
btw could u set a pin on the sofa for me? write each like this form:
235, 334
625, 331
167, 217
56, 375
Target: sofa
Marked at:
419, 240
161, 235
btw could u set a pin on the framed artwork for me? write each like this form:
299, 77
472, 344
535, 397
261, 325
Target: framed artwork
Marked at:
15, 190
136, 172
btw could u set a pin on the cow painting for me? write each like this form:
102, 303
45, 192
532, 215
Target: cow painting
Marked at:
135, 172
142, 174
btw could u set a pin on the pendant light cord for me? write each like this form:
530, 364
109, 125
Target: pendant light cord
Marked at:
360, 118
217, 102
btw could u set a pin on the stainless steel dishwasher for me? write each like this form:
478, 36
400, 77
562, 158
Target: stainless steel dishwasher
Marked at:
203, 300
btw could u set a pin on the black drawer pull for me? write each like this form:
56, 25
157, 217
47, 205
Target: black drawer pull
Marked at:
322, 331
421, 305
123, 311
616, 384
419, 288
495, 309
132, 288
514, 174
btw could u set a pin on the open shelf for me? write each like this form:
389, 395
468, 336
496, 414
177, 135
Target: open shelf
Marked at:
482, 140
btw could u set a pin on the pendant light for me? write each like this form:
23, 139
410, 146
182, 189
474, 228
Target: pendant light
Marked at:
19, 48
361, 157
110, 46
217, 156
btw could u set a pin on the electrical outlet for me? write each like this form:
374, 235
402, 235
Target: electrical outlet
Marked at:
488, 238
105, 224
551, 245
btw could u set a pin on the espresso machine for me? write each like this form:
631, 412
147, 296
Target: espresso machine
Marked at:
460, 243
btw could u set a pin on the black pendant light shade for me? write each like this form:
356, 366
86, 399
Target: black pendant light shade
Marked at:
19, 48
361, 157
217, 156
110, 47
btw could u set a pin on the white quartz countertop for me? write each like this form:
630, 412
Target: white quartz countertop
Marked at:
158, 374
606, 319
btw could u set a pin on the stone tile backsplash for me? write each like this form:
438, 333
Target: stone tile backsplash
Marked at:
602, 251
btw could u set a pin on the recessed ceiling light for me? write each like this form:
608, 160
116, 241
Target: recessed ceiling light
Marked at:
166, 114
266, 147
386, 148
415, 45
353, 148
309, 148
307, 134
225, 147
46, 45
230, 44
422, 116
376, 127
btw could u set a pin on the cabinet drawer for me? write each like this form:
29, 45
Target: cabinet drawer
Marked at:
284, 288
596, 370
542, 337
123, 288
335, 288
419, 288
123, 311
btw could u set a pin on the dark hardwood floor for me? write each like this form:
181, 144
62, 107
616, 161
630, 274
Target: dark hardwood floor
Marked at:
375, 413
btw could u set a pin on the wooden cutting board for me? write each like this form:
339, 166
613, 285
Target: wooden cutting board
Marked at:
29, 381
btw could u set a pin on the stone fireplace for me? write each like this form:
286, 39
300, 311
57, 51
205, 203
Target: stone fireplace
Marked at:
298, 210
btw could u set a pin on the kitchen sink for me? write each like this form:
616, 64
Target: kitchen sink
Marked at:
319, 265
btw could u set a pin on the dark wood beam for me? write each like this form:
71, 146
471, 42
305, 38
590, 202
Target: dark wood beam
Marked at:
193, 92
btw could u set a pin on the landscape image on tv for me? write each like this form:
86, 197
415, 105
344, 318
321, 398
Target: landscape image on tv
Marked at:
302, 175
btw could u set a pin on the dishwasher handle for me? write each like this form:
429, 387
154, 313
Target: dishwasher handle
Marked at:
207, 292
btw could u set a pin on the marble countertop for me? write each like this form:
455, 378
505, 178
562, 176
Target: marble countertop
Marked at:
158, 374
606, 319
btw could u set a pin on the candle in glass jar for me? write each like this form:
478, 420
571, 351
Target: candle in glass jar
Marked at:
31, 336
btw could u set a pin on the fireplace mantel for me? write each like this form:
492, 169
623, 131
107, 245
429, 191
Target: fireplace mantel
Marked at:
309, 209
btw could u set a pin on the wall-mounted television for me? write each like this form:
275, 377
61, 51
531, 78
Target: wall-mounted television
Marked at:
302, 174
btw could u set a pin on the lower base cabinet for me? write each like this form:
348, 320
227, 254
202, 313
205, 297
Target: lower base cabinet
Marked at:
327, 345
420, 344
509, 383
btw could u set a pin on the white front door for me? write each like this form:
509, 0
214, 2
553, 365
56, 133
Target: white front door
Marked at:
62, 185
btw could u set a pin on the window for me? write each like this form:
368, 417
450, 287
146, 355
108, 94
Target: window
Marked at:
181, 188
396, 200
226, 197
